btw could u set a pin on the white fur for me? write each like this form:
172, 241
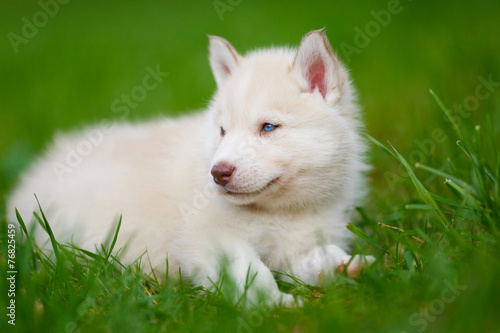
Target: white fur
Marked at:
285, 208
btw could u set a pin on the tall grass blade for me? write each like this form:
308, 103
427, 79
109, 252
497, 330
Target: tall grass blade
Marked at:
55, 244
115, 238
352, 228
422, 191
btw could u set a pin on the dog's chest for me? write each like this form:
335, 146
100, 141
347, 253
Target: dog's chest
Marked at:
278, 238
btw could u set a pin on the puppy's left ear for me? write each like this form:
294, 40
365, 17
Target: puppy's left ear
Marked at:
316, 67
224, 59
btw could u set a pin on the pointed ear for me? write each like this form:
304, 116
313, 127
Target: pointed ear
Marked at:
223, 58
316, 67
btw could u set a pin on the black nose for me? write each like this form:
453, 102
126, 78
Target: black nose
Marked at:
222, 173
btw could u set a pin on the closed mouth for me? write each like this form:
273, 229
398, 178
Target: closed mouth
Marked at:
268, 185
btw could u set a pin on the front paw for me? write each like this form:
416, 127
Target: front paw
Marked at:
354, 265
287, 301
272, 298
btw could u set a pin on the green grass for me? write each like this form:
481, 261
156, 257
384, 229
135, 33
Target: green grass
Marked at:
429, 224
437, 270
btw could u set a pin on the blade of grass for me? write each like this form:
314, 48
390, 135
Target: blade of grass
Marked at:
39, 220
25, 230
21, 223
352, 228
497, 184
422, 191
444, 175
444, 200
380, 145
476, 165
55, 244
418, 207
115, 238
87, 253
447, 112
409, 261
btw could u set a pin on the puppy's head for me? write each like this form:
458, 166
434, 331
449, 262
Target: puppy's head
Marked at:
283, 124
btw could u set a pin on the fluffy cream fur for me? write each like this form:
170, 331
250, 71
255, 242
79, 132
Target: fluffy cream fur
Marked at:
285, 207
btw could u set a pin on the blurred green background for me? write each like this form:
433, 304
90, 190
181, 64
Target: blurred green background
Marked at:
91, 52
85, 56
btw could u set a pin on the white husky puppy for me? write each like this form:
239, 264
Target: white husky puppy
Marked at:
265, 177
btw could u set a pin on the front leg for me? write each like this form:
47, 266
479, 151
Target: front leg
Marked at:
245, 278
323, 262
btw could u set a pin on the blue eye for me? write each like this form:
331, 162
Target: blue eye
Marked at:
268, 127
